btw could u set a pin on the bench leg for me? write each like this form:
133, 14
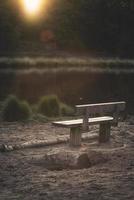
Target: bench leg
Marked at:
75, 136
104, 132
85, 126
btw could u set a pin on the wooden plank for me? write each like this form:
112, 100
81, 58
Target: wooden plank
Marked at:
79, 122
101, 104
101, 108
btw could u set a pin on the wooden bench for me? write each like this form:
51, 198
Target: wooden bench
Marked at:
104, 114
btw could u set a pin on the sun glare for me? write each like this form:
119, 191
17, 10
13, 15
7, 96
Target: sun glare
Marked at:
32, 7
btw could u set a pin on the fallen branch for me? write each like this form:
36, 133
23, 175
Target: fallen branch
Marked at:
41, 143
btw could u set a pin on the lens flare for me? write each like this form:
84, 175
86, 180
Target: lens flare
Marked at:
32, 7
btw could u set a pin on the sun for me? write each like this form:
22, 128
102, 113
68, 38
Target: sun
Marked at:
32, 7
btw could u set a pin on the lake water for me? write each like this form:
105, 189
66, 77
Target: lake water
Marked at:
71, 86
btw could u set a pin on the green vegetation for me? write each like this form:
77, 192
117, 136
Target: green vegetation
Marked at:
66, 110
38, 117
51, 106
15, 110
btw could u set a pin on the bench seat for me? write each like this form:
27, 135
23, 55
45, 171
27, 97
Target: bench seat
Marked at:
79, 122
109, 113
76, 130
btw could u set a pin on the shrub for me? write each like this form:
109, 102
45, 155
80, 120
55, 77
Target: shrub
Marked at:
49, 106
25, 110
15, 110
40, 118
66, 110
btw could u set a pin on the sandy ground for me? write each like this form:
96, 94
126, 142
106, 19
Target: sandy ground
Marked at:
22, 179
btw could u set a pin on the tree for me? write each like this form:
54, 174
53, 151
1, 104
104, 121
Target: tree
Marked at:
9, 32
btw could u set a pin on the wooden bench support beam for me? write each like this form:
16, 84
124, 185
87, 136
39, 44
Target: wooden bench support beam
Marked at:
75, 136
85, 125
104, 132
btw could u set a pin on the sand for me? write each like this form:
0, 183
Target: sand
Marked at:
24, 175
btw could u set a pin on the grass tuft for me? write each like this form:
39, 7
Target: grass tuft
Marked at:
15, 110
49, 106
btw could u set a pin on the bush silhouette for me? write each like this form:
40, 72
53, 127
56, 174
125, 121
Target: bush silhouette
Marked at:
66, 110
15, 110
49, 106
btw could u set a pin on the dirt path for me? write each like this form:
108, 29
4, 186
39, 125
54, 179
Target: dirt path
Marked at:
22, 178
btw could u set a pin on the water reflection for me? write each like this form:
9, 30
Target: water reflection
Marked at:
72, 87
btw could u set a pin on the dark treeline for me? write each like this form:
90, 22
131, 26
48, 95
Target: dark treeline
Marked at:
104, 26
